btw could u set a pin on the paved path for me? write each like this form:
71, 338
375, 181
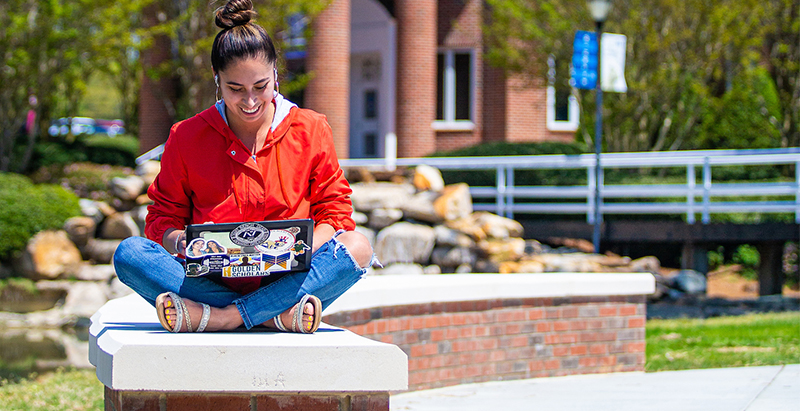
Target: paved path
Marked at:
772, 388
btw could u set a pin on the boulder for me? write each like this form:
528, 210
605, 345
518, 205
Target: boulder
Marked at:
452, 257
405, 243
467, 226
447, 237
464, 269
522, 267
428, 178
85, 298
19, 297
383, 217
496, 226
369, 196
80, 229
49, 255
579, 244
92, 209
119, 226
510, 249
101, 251
127, 188
568, 263
139, 215
420, 207
454, 203
690, 282
99, 272
648, 264
432, 269
144, 199
360, 218
148, 171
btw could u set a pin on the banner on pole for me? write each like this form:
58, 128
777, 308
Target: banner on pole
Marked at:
612, 63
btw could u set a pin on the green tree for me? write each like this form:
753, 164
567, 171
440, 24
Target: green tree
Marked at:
680, 57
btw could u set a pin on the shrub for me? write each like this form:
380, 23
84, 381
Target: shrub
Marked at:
748, 257
26, 209
117, 151
86, 180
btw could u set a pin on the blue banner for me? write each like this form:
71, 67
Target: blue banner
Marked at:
584, 60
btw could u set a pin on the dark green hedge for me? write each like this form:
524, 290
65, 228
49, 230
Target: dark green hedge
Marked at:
27, 208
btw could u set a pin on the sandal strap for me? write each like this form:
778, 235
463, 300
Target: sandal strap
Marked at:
204, 318
279, 324
176, 302
300, 308
186, 315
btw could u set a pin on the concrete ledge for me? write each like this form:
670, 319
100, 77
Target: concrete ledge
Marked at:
385, 291
132, 352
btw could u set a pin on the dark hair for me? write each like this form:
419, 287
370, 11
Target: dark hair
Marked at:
239, 38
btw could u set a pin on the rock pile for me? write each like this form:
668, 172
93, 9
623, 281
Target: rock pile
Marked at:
72, 267
419, 225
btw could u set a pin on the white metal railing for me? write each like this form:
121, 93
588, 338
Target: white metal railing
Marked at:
697, 198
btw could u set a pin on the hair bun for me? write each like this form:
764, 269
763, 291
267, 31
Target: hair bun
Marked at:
234, 13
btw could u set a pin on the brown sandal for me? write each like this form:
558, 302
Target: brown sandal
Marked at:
297, 318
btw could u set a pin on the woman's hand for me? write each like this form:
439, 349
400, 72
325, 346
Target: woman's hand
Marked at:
322, 233
176, 240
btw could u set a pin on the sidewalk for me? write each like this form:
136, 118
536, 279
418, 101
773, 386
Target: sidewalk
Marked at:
771, 388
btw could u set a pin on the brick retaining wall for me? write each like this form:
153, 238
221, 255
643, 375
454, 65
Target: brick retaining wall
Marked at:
453, 343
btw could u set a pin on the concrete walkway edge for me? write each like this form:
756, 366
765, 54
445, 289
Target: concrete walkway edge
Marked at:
773, 388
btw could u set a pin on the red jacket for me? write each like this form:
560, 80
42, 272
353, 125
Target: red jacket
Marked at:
208, 175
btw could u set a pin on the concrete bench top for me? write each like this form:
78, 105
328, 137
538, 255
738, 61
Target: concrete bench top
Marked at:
392, 290
133, 352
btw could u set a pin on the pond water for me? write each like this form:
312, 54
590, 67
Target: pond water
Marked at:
24, 353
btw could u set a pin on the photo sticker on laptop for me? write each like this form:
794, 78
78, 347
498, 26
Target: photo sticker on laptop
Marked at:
253, 249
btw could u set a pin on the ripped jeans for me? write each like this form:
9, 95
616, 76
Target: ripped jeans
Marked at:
150, 270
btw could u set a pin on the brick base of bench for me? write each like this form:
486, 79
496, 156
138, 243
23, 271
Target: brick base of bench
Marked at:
116, 400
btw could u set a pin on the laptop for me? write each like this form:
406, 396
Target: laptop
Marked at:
252, 249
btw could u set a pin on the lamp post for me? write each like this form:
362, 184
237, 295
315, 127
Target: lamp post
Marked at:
599, 11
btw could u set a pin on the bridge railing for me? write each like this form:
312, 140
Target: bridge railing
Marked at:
692, 197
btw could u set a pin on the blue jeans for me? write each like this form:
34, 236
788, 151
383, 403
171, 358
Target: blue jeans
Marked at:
148, 269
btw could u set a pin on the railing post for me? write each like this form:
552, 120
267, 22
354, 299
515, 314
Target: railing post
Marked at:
510, 192
501, 191
691, 183
797, 196
590, 178
706, 190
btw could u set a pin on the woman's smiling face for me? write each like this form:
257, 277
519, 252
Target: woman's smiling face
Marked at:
247, 87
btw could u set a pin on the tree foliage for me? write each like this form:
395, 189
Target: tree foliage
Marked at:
49, 49
685, 62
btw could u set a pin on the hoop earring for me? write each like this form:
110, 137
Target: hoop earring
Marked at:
216, 93
216, 81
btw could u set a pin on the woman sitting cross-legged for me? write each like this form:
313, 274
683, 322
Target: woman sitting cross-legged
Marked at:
252, 156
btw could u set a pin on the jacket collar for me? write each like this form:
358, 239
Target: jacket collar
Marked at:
215, 117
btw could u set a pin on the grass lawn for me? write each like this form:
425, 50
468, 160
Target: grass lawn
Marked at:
61, 390
751, 340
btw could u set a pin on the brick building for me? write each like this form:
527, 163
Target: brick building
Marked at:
415, 68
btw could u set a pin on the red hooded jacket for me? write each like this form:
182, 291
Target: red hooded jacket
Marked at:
208, 175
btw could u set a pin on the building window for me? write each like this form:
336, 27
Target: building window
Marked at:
294, 36
563, 112
454, 89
